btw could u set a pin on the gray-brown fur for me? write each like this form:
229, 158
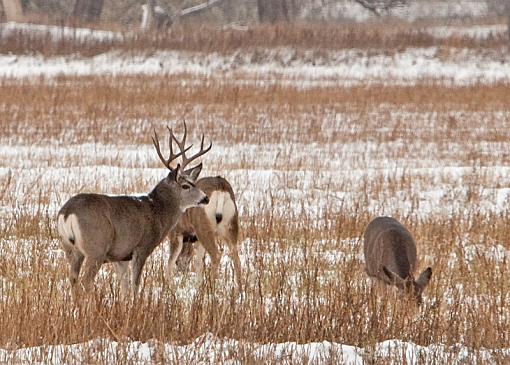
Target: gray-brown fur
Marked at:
202, 229
390, 256
99, 228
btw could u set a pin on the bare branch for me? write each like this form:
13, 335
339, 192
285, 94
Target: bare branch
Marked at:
193, 10
378, 6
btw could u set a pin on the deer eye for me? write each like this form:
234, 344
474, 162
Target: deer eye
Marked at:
185, 187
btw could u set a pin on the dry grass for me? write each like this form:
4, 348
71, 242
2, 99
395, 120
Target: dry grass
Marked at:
378, 36
294, 291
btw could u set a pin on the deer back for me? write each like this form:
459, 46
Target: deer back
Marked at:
220, 215
112, 226
387, 243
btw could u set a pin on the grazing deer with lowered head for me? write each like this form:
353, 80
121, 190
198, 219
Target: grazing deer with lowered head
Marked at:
390, 255
98, 228
201, 229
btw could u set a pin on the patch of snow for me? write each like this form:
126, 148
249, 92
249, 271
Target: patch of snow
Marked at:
209, 348
56, 33
345, 67
471, 31
411, 10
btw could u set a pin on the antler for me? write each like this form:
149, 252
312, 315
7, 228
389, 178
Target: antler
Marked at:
172, 157
185, 159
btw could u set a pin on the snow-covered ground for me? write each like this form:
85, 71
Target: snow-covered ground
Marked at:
437, 184
56, 33
440, 186
410, 10
210, 349
302, 68
471, 31
285, 66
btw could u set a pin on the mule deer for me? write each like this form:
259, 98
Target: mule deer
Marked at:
203, 228
97, 228
390, 255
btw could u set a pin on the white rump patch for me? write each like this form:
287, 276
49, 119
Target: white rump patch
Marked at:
69, 229
220, 203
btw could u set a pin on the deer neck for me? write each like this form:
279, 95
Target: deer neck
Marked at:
165, 205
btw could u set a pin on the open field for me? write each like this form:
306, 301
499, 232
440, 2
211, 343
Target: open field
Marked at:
311, 166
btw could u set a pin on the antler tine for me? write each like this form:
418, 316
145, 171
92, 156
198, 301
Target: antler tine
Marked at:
185, 132
182, 143
155, 141
172, 157
202, 147
186, 160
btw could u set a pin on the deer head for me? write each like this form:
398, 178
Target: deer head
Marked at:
183, 182
409, 285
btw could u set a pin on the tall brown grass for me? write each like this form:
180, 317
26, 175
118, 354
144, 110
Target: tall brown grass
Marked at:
390, 36
304, 277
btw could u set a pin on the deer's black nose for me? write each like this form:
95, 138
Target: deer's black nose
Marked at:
205, 201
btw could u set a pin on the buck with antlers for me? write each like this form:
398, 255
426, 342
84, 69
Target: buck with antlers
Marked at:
97, 228
202, 229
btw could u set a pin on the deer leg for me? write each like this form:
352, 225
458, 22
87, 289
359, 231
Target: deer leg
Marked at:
212, 249
90, 269
122, 268
137, 262
198, 259
234, 256
207, 238
175, 251
75, 260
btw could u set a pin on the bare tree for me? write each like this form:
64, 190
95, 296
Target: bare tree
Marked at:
379, 7
507, 11
88, 10
13, 10
198, 9
155, 16
274, 11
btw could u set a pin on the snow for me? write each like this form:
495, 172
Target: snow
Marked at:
440, 186
436, 9
411, 11
56, 33
209, 348
341, 68
471, 31
302, 68
116, 169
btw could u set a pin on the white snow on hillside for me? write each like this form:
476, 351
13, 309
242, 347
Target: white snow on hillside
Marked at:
341, 68
301, 68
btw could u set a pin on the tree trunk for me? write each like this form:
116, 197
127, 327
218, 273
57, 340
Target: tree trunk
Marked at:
273, 11
507, 8
13, 10
148, 15
88, 10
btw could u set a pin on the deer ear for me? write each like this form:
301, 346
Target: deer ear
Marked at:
424, 277
394, 278
174, 174
194, 172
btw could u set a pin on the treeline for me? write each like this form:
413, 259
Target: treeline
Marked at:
168, 12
